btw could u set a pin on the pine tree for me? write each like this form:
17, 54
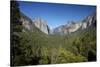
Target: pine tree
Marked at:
15, 29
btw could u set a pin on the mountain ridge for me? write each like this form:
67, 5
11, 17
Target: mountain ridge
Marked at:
29, 24
75, 26
71, 27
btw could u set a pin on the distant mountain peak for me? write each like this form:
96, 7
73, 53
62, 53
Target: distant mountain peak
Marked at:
73, 26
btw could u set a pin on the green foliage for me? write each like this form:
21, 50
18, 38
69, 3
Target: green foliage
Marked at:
34, 47
37, 48
69, 57
16, 28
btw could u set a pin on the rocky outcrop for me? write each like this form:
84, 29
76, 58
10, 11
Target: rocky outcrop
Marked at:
72, 26
41, 24
68, 28
76, 26
29, 24
26, 22
89, 21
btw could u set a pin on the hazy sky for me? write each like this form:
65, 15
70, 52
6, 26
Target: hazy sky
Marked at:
56, 14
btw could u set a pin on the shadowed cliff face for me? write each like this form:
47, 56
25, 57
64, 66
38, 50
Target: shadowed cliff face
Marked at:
76, 26
26, 22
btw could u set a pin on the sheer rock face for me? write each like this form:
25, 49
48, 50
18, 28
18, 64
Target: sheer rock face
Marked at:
41, 24
76, 26
72, 26
26, 22
68, 28
37, 22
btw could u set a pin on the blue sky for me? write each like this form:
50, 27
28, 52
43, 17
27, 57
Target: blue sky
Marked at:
55, 14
